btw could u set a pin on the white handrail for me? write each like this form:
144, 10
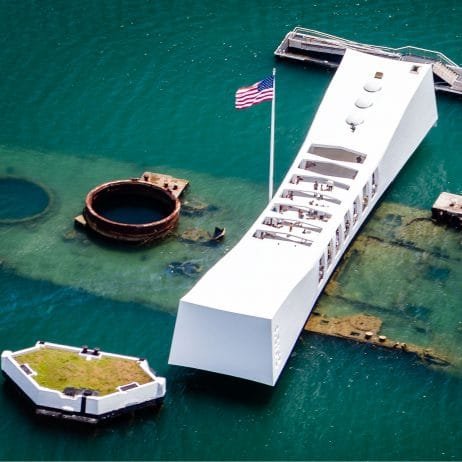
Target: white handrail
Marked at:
407, 49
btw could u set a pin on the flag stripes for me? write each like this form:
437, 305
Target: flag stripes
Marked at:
256, 93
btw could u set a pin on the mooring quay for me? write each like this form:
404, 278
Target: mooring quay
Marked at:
84, 385
448, 209
308, 45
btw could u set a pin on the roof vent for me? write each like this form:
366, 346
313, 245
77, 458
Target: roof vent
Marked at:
354, 119
373, 85
363, 102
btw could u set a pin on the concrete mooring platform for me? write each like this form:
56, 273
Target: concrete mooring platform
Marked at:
448, 209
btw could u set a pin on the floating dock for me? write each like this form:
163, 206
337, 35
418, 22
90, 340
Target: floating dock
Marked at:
308, 45
448, 209
243, 317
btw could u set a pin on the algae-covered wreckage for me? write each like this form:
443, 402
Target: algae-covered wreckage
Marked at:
403, 270
365, 328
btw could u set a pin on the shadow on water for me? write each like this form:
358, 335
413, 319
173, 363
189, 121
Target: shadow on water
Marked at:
220, 387
195, 385
26, 410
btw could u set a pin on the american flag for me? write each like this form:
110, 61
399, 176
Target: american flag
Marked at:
256, 93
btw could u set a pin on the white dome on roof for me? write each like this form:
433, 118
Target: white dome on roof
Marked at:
373, 85
354, 119
363, 102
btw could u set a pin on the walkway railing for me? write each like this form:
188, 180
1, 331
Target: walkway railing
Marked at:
407, 50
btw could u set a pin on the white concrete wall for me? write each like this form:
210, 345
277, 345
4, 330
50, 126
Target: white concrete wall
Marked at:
419, 117
57, 400
290, 320
121, 399
39, 395
97, 405
223, 342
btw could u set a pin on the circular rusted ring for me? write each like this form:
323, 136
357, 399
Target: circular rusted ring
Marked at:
132, 233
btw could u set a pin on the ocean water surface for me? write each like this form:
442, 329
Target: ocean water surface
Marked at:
95, 91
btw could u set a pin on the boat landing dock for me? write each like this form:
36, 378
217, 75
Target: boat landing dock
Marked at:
308, 45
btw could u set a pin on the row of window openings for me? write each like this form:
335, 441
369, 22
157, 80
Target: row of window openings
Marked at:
336, 153
313, 195
318, 184
302, 212
328, 169
351, 218
358, 207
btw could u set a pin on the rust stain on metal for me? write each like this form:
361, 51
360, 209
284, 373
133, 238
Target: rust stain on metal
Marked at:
364, 328
175, 185
155, 190
448, 209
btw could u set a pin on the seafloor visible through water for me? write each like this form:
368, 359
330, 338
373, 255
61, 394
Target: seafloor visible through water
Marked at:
98, 91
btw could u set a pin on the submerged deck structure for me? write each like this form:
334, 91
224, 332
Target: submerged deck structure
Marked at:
245, 314
308, 45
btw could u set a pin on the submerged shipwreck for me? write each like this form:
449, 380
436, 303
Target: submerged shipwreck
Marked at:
245, 314
23, 200
135, 211
142, 211
418, 265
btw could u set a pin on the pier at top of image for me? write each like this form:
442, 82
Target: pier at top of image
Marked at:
308, 45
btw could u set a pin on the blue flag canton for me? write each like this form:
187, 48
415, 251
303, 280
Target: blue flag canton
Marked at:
266, 83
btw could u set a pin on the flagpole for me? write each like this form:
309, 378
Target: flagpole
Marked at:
271, 161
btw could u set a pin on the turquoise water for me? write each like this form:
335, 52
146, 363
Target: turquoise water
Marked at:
95, 91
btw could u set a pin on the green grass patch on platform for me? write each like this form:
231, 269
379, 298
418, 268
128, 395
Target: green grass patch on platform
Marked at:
57, 369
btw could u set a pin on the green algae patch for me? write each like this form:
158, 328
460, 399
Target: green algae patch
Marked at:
58, 369
406, 270
51, 249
